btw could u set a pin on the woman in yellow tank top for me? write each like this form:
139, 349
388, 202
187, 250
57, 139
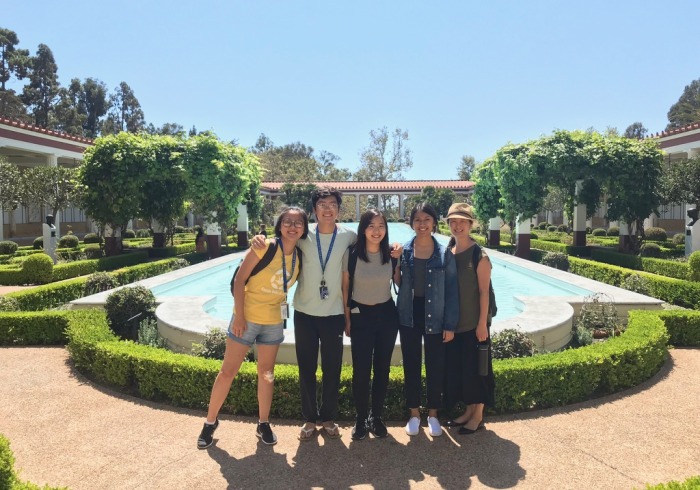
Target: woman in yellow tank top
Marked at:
260, 308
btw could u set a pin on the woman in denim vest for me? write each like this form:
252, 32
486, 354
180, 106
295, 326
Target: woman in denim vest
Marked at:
428, 314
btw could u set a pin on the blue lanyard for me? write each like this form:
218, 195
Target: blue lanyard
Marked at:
284, 265
320, 254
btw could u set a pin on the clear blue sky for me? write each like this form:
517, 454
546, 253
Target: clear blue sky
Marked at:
462, 77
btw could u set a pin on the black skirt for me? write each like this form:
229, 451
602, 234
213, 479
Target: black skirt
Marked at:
462, 380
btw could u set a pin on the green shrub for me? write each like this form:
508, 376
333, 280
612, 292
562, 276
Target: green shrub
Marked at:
179, 229
561, 247
678, 239
68, 241
143, 233
599, 232
637, 284
694, 264
98, 282
675, 291
37, 269
38, 243
70, 254
543, 225
692, 483
93, 251
557, 260
148, 334
656, 234
533, 236
613, 231
589, 230
179, 263
127, 307
510, 343
8, 248
213, 346
8, 478
8, 303
33, 328
129, 234
598, 312
551, 228
92, 238
650, 250
582, 337
683, 327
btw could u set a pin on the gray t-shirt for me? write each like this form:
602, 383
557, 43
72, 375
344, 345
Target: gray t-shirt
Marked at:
372, 281
307, 298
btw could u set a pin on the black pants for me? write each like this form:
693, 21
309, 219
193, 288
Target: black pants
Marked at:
411, 348
309, 332
373, 337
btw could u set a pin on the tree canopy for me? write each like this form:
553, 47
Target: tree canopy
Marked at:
687, 109
386, 157
466, 167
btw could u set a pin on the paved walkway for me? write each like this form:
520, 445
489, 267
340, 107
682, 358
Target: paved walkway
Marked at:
65, 430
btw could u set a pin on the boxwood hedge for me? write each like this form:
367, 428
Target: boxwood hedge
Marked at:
522, 384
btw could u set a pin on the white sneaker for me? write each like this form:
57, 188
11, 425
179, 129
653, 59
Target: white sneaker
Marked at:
413, 426
434, 425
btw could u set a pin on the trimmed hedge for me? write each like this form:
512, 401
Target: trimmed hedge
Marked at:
59, 293
692, 483
8, 476
85, 267
523, 384
662, 267
561, 247
683, 327
33, 328
675, 291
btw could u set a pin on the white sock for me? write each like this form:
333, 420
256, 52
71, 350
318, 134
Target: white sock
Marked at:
210, 423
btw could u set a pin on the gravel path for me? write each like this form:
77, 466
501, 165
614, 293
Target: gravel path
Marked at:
65, 430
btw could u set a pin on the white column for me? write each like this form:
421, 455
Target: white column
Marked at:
52, 160
535, 220
579, 219
401, 209
550, 217
380, 203
522, 225
242, 222
357, 207
2, 224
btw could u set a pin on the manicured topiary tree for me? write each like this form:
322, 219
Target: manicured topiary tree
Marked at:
37, 269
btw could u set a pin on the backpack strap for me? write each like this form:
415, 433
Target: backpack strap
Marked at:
352, 265
476, 254
264, 262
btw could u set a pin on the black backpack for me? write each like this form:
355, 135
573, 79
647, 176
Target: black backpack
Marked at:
493, 309
352, 265
264, 261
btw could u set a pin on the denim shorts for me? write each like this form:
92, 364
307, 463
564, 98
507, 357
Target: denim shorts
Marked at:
256, 333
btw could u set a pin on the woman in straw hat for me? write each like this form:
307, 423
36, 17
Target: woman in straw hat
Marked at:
463, 382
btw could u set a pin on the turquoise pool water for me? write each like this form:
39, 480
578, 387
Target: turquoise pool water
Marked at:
508, 281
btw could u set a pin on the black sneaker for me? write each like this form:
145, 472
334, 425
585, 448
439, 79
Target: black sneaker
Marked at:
359, 432
206, 437
377, 427
264, 432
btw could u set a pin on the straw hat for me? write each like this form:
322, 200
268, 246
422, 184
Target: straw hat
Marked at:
460, 210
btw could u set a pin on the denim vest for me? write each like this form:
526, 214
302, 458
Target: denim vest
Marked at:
441, 293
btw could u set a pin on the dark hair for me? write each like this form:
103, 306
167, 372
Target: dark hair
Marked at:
200, 232
360, 245
427, 208
321, 192
283, 212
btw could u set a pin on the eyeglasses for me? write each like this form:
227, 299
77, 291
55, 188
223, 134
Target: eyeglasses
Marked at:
327, 205
288, 223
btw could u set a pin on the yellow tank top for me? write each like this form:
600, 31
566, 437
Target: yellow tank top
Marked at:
264, 292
